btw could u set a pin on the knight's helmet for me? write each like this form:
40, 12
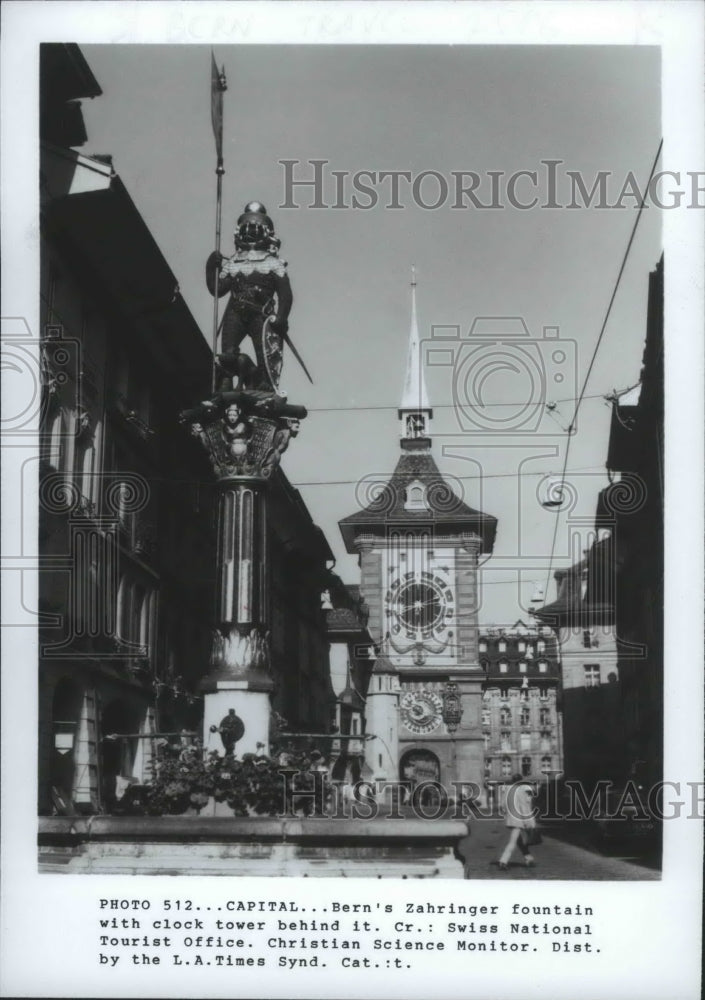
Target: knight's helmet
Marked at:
255, 230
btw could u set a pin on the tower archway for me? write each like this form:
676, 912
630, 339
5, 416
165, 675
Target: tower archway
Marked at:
420, 771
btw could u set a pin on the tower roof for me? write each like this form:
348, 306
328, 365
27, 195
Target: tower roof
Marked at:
414, 396
442, 509
383, 665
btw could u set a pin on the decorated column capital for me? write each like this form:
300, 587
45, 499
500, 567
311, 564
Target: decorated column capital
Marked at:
244, 432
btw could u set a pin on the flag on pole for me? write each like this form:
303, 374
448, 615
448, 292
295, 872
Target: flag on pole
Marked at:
218, 88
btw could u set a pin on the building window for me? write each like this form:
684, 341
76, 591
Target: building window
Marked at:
529, 651
543, 666
524, 718
502, 646
488, 768
506, 767
486, 740
545, 717
543, 693
526, 766
524, 694
541, 646
145, 607
545, 741
483, 646
503, 666
504, 693
521, 646
505, 740
522, 667
592, 675
505, 717
416, 496
57, 438
525, 741
545, 764
122, 614
589, 639
485, 716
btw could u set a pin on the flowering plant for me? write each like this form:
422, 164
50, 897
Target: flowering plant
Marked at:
187, 778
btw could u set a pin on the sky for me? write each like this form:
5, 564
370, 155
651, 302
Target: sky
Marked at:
415, 108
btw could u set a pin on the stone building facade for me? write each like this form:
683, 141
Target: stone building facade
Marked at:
521, 706
583, 620
124, 589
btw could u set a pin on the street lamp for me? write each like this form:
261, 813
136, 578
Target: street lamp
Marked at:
64, 736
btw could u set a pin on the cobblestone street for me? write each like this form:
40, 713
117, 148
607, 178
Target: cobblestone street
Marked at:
555, 858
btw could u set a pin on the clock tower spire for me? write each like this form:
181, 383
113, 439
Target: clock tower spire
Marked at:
414, 410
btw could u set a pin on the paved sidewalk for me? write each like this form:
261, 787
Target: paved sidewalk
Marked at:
555, 859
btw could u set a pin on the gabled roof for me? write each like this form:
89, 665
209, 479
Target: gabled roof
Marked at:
576, 605
444, 508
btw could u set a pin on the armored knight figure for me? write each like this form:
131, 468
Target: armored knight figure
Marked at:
256, 280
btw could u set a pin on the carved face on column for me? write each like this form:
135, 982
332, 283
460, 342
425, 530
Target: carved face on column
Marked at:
236, 431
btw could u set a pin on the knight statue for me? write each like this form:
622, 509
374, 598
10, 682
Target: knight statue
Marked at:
260, 298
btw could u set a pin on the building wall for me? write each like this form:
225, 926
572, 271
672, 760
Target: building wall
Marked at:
638, 451
522, 728
298, 575
123, 518
591, 697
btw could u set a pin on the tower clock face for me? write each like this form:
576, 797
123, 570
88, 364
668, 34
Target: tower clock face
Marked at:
420, 605
421, 711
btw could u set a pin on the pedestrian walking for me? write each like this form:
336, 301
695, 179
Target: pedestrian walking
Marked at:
520, 819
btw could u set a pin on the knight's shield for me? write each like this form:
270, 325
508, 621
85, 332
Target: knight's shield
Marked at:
272, 351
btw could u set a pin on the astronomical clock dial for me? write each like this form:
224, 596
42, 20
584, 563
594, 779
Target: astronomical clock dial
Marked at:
420, 606
421, 711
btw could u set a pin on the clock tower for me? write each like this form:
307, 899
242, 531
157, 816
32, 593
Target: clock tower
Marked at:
419, 546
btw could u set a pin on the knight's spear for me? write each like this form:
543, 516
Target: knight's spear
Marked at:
218, 87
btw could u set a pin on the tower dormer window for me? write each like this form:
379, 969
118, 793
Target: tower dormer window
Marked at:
416, 496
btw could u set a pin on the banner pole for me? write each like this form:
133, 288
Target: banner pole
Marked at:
220, 170
218, 88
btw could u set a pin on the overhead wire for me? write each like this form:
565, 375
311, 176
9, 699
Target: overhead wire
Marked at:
571, 426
